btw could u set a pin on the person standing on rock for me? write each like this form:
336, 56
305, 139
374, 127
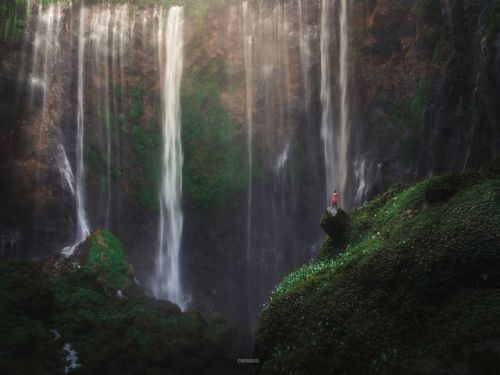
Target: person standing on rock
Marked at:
335, 199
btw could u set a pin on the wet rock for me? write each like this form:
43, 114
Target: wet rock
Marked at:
440, 194
335, 223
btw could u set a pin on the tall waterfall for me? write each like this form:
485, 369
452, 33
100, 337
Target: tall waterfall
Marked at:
343, 137
167, 282
278, 41
335, 133
247, 43
327, 131
83, 229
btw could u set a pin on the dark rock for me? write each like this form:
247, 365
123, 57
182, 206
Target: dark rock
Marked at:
166, 309
335, 223
440, 194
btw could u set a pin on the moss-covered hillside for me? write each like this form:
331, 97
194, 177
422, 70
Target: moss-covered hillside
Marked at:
111, 325
417, 291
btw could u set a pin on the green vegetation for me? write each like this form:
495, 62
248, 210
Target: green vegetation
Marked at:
417, 284
492, 22
407, 114
215, 167
146, 151
96, 160
12, 14
26, 305
112, 333
106, 258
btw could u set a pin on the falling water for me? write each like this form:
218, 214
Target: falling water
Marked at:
247, 43
67, 178
167, 284
82, 224
277, 45
305, 56
45, 53
100, 38
343, 136
326, 99
336, 137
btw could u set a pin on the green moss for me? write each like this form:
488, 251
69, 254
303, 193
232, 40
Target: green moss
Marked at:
26, 306
215, 168
12, 15
146, 151
416, 280
492, 22
106, 257
407, 114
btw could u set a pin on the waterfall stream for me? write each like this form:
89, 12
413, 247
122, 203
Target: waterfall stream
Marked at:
343, 136
327, 131
167, 281
83, 229
335, 129
247, 43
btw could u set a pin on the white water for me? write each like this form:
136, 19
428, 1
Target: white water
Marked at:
46, 55
67, 178
305, 55
100, 38
71, 357
336, 138
360, 173
167, 281
327, 133
82, 223
343, 138
247, 44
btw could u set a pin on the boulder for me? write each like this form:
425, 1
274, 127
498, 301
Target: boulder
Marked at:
440, 194
335, 223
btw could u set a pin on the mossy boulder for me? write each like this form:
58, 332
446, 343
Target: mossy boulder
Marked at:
103, 254
335, 222
111, 324
417, 291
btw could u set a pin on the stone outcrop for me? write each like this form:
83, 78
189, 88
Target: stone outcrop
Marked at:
335, 222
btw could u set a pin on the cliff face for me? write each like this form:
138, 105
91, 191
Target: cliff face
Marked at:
423, 91
426, 81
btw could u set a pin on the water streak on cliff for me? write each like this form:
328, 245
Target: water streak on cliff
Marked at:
167, 280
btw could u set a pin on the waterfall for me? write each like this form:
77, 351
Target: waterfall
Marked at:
343, 136
167, 283
326, 99
336, 137
67, 178
100, 38
247, 43
83, 229
305, 56
45, 50
277, 42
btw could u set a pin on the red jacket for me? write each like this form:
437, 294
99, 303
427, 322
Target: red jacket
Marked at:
334, 199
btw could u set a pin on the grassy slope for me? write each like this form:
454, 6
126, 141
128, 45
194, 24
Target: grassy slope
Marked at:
417, 285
